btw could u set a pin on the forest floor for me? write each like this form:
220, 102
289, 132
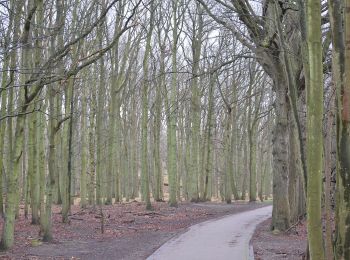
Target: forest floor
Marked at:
290, 245
130, 232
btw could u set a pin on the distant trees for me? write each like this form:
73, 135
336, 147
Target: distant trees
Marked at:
275, 52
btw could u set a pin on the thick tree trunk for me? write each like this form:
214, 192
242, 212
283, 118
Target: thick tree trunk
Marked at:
343, 176
314, 131
340, 70
281, 209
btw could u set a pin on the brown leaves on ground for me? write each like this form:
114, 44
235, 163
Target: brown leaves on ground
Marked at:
289, 245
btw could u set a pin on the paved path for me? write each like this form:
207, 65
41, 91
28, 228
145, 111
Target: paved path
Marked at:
221, 239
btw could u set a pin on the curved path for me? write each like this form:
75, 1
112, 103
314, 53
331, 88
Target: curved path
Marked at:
221, 239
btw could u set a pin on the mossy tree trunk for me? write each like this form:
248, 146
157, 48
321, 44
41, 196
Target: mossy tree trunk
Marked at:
15, 144
341, 78
314, 133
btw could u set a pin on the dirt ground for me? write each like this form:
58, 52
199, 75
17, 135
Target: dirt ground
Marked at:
289, 245
130, 232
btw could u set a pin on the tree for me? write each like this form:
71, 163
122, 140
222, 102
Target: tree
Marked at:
146, 81
14, 144
172, 111
341, 65
43, 74
314, 135
195, 103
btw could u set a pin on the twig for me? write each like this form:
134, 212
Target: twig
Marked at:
75, 218
292, 226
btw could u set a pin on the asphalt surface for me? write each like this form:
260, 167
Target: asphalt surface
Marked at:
220, 239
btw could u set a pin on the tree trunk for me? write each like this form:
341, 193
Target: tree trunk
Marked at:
314, 133
195, 107
280, 213
172, 154
158, 195
144, 142
228, 156
15, 149
209, 144
92, 149
340, 68
327, 184
83, 175
47, 225
293, 170
100, 174
33, 168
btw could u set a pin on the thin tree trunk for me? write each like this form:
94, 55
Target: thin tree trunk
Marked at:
47, 223
67, 204
195, 107
209, 143
99, 124
84, 153
327, 185
144, 142
172, 158
92, 149
33, 168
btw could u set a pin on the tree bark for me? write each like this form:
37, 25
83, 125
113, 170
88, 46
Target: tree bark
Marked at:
144, 142
281, 209
314, 133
